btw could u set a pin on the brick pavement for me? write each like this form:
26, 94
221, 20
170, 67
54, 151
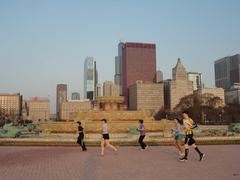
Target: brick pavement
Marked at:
158, 162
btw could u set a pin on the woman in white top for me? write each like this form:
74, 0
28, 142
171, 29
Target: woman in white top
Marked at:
105, 140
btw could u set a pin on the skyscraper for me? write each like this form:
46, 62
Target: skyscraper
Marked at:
138, 62
159, 76
178, 87
179, 71
99, 90
75, 96
196, 78
117, 76
90, 78
118, 80
61, 98
227, 71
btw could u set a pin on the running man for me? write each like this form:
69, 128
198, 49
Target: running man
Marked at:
105, 140
142, 132
189, 140
178, 136
81, 136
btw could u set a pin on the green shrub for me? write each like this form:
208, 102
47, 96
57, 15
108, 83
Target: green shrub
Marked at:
133, 130
234, 127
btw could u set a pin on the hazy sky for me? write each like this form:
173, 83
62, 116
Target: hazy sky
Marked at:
45, 42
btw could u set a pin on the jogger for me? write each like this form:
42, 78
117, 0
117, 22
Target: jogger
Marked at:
189, 140
178, 136
142, 132
105, 140
80, 139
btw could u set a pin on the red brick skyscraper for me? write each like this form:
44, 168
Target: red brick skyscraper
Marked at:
138, 62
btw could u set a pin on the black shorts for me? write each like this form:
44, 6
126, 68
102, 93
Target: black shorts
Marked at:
106, 136
189, 139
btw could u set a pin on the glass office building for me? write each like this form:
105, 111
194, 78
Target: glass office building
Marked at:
90, 78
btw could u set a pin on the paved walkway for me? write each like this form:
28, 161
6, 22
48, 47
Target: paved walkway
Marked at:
159, 162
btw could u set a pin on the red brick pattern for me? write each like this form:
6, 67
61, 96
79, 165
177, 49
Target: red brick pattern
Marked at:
159, 162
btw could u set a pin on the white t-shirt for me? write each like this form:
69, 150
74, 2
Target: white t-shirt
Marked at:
105, 128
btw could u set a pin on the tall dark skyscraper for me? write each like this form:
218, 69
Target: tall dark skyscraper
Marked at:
118, 68
227, 71
117, 76
137, 62
61, 97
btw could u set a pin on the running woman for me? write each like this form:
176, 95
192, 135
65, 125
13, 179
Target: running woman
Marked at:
178, 136
142, 132
105, 140
81, 136
189, 140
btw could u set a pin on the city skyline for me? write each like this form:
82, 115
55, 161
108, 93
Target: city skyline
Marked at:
46, 43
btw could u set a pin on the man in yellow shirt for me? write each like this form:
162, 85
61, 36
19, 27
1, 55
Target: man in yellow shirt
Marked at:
189, 140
